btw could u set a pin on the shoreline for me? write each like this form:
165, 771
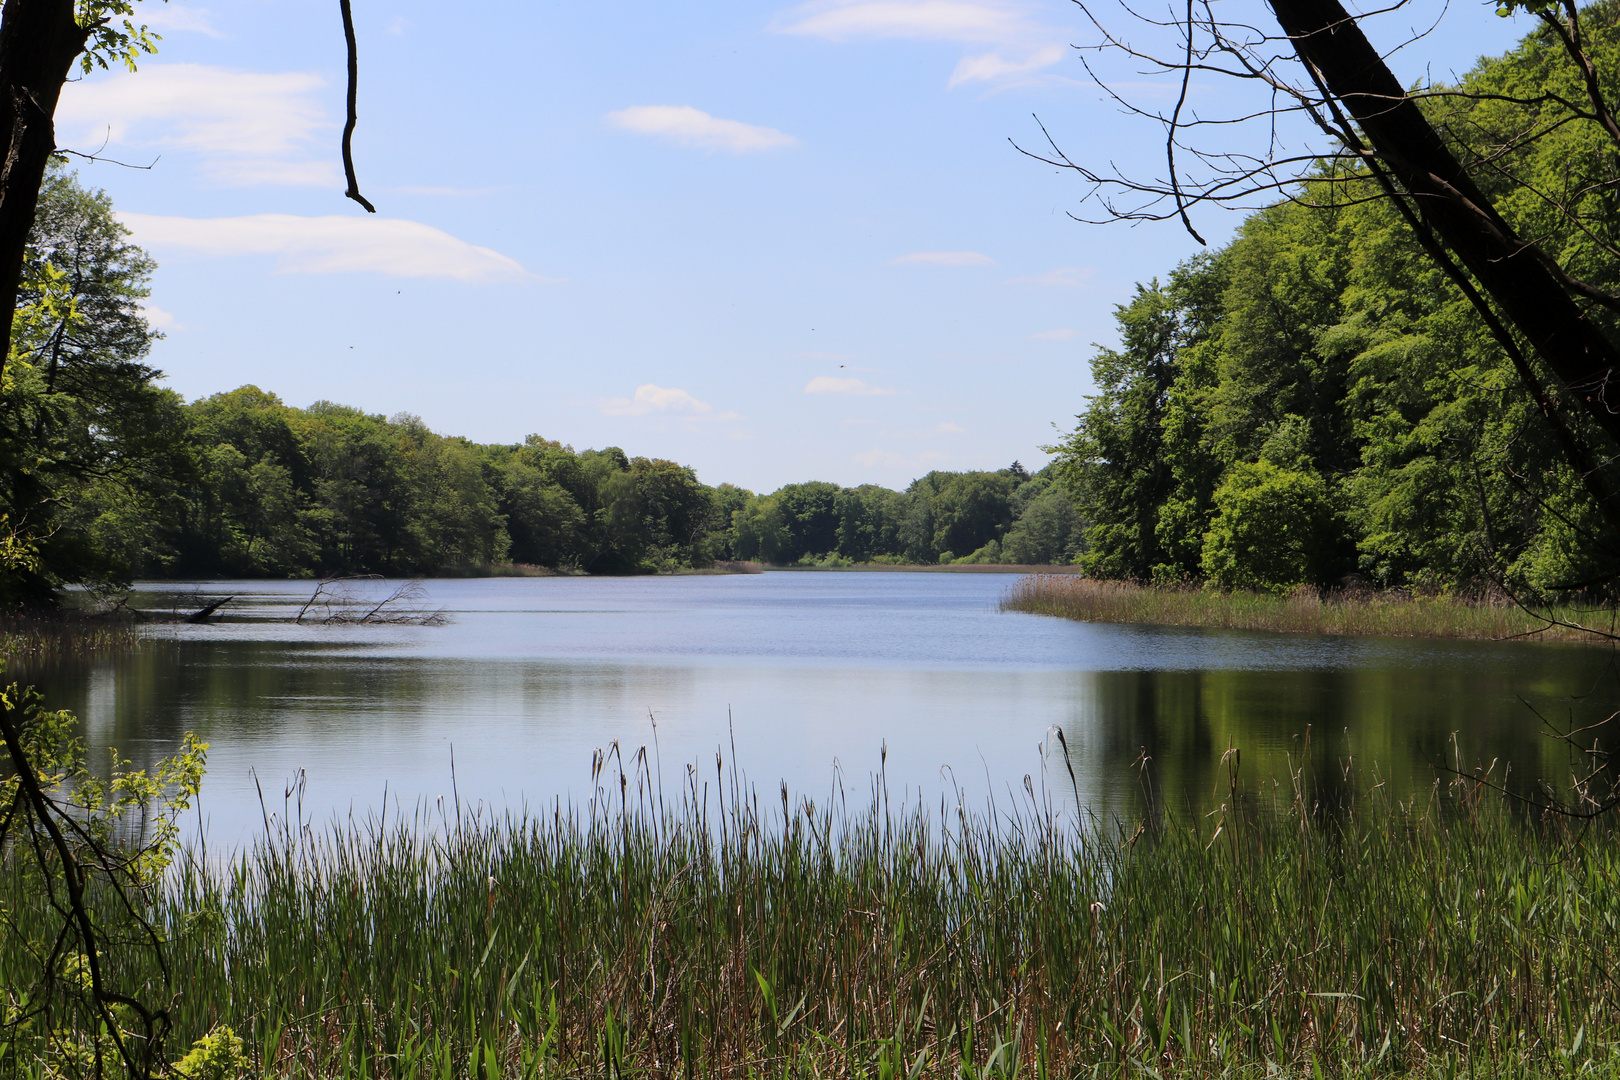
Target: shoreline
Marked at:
1389, 615
721, 568
948, 568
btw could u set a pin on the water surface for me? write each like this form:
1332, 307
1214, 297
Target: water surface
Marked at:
802, 678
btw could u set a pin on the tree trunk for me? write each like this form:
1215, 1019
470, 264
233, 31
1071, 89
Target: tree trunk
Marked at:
39, 40
1328, 39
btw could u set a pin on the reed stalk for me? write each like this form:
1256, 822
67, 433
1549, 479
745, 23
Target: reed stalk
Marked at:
715, 935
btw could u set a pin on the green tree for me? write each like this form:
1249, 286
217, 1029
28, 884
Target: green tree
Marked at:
546, 526
810, 512
1269, 528
760, 531
81, 419
719, 535
1047, 530
1114, 460
972, 510
870, 520
40, 41
455, 512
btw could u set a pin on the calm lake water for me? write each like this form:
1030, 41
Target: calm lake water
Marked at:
811, 677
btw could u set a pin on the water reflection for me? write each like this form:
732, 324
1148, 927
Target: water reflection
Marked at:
799, 672
1347, 726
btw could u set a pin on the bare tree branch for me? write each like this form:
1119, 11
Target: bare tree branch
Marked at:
354, 91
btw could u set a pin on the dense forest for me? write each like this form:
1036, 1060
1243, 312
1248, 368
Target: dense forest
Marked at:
106, 476
263, 489
1316, 403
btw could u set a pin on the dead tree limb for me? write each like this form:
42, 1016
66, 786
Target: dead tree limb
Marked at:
202, 614
354, 91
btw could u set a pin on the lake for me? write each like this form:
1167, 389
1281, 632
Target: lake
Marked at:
810, 678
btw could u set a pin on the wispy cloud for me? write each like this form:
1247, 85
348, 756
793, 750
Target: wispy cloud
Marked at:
693, 127
945, 258
1054, 335
245, 127
948, 428
1076, 277
651, 399
171, 18
329, 245
1020, 45
831, 384
993, 67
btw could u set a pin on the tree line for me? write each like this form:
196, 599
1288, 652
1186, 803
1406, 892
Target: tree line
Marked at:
1320, 402
260, 488
106, 475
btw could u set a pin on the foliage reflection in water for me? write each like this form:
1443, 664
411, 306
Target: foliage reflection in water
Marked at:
798, 671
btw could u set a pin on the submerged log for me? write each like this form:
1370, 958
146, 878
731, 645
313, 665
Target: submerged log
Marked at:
202, 615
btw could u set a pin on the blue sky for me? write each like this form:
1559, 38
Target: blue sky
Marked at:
776, 242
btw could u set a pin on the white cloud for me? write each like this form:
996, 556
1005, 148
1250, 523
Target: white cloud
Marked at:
246, 127
694, 127
160, 320
651, 398
173, 17
948, 428
1021, 46
1054, 335
1076, 277
831, 384
946, 258
329, 245
992, 67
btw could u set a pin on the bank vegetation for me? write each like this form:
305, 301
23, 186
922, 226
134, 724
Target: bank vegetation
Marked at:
727, 933
1304, 610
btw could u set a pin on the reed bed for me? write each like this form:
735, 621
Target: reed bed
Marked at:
717, 936
62, 633
1373, 614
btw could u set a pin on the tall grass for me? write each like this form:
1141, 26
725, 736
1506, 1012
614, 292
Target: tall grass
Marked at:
718, 936
1306, 612
61, 633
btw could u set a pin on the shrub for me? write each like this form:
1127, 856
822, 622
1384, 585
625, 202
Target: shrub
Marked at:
1270, 530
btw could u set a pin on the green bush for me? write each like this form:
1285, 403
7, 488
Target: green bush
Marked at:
1271, 527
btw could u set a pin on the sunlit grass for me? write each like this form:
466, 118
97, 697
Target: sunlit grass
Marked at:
719, 935
1307, 612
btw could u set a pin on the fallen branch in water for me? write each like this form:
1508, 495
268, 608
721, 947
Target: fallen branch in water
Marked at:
202, 614
340, 602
